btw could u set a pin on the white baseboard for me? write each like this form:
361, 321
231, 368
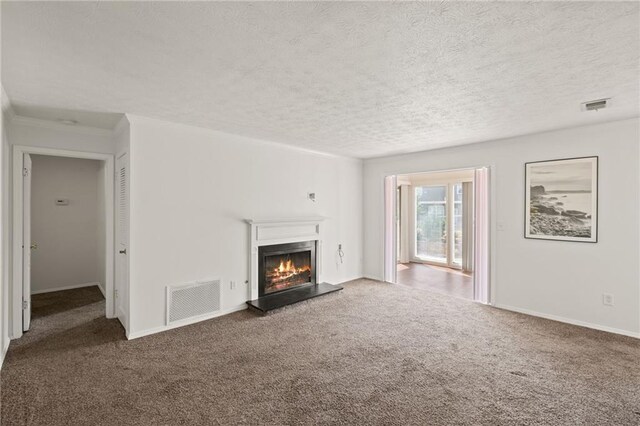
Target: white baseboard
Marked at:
368, 277
4, 352
142, 333
569, 321
101, 290
69, 287
346, 281
122, 317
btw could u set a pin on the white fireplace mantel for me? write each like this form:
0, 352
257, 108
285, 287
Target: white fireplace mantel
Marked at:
266, 232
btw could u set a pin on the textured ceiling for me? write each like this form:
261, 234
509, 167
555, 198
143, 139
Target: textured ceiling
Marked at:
358, 79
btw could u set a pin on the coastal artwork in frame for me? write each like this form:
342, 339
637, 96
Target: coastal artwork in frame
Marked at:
562, 200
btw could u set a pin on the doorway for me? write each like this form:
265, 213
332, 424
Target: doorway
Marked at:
63, 240
441, 232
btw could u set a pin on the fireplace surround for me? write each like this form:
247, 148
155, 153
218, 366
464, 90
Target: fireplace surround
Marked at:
270, 232
286, 262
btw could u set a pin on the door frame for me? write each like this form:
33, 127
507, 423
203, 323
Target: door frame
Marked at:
26, 249
492, 223
121, 285
17, 284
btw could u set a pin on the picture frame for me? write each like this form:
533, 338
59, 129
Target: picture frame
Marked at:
561, 199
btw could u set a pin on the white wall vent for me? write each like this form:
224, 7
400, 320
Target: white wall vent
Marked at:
189, 301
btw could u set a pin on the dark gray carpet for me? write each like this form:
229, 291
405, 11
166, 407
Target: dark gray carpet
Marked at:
371, 354
46, 304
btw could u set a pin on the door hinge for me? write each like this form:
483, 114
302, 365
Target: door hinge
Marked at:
25, 304
25, 172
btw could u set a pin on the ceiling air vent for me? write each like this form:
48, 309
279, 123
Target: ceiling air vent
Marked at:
596, 105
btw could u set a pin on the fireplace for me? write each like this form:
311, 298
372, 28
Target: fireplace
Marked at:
285, 266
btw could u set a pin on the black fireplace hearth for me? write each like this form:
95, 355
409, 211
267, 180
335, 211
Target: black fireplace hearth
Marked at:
281, 299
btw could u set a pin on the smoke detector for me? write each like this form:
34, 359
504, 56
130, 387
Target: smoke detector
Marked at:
596, 105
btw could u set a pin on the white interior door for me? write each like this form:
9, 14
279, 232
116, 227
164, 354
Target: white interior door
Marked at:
26, 243
122, 239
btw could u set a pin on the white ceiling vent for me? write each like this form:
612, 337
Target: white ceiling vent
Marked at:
596, 105
186, 302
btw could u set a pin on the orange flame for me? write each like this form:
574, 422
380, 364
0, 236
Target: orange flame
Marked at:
286, 267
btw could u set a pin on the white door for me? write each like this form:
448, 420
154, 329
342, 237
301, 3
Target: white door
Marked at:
122, 239
26, 243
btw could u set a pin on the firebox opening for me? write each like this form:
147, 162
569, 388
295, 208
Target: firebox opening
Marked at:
285, 266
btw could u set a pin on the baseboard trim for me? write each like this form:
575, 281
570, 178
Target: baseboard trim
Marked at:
69, 287
368, 277
568, 320
350, 280
4, 352
143, 333
122, 318
102, 291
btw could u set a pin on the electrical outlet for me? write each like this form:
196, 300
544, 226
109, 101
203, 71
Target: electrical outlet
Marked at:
232, 285
607, 299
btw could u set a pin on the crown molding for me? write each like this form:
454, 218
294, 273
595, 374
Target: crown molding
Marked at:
52, 125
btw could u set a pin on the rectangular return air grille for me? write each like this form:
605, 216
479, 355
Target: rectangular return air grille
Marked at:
192, 300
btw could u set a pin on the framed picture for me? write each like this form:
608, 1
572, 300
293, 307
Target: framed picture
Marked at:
561, 201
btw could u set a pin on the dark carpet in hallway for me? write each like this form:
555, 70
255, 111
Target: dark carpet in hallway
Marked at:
373, 353
46, 304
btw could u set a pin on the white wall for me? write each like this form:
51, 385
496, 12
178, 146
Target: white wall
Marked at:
120, 138
561, 280
4, 217
48, 134
68, 237
191, 190
5, 259
440, 178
